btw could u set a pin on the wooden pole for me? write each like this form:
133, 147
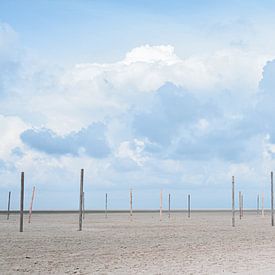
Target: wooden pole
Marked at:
106, 204
262, 204
272, 201
131, 203
240, 204
22, 202
233, 202
189, 206
81, 199
9, 203
31, 204
160, 206
169, 205
258, 204
83, 205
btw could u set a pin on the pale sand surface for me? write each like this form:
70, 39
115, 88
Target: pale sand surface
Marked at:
204, 244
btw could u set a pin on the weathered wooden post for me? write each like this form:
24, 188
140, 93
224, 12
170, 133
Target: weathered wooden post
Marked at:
258, 204
31, 204
83, 205
189, 206
9, 203
169, 205
233, 202
131, 204
160, 206
263, 204
81, 199
22, 203
240, 204
106, 204
272, 201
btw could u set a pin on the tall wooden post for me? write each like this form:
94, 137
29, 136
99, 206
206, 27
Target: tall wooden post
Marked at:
169, 205
31, 204
9, 204
160, 206
240, 204
263, 204
272, 201
22, 202
258, 204
131, 203
189, 205
106, 205
81, 199
233, 201
83, 205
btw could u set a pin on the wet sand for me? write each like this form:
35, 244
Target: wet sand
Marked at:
204, 244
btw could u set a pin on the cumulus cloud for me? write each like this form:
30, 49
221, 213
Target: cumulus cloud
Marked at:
133, 151
173, 108
90, 141
10, 128
151, 54
264, 108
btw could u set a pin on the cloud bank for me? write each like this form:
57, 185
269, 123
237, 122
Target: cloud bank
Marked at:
150, 120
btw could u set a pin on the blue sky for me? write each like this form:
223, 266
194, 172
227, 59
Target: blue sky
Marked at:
147, 95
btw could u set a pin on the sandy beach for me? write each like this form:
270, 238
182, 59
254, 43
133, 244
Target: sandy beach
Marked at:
204, 244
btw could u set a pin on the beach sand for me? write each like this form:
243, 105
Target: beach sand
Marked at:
204, 244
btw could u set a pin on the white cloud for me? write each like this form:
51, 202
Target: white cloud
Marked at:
91, 92
10, 129
152, 54
146, 68
132, 150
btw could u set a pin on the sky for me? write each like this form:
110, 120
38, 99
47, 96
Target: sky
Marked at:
176, 96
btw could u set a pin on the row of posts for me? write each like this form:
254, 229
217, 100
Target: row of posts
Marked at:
81, 203
258, 201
